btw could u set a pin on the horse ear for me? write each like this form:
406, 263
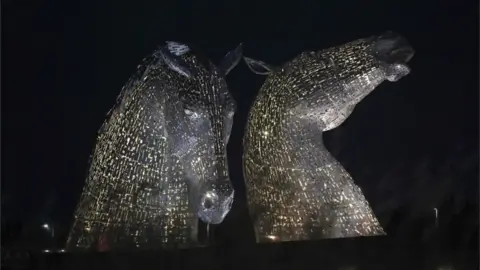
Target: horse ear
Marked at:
257, 66
177, 48
170, 54
231, 60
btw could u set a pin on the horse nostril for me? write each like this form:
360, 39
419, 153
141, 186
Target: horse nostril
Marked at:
208, 203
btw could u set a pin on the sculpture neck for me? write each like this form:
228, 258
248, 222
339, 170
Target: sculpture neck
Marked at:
363, 85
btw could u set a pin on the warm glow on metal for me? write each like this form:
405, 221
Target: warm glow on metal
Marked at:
296, 189
162, 144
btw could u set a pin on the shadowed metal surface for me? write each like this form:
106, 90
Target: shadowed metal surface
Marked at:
296, 190
159, 154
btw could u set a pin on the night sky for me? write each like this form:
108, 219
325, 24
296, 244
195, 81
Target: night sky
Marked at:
412, 146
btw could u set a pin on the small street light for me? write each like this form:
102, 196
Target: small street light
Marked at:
436, 216
47, 227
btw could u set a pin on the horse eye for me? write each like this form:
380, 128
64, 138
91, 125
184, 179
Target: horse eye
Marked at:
191, 114
188, 112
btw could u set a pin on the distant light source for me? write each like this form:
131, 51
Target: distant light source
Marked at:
49, 228
61, 250
272, 237
46, 251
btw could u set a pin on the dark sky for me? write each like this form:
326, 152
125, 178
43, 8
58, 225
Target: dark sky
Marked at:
410, 145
